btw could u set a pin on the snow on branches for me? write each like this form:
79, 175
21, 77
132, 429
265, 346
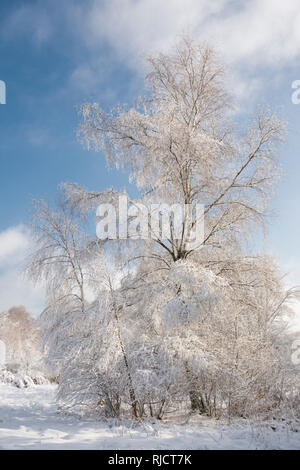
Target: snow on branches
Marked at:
148, 326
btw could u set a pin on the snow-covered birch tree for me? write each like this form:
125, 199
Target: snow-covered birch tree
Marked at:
194, 323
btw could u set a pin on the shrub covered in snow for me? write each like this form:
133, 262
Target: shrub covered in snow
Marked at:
22, 380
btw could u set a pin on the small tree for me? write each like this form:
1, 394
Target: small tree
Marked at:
19, 332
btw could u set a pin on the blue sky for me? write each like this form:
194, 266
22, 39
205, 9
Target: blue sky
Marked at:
55, 55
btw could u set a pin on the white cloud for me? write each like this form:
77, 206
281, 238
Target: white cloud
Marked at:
254, 33
108, 33
134, 28
15, 244
258, 32
30, 20
251, 36
12, 242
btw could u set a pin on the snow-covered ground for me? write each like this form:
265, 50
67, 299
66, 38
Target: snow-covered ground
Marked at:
29, 420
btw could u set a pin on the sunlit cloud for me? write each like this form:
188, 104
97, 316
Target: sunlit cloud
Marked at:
15, 244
